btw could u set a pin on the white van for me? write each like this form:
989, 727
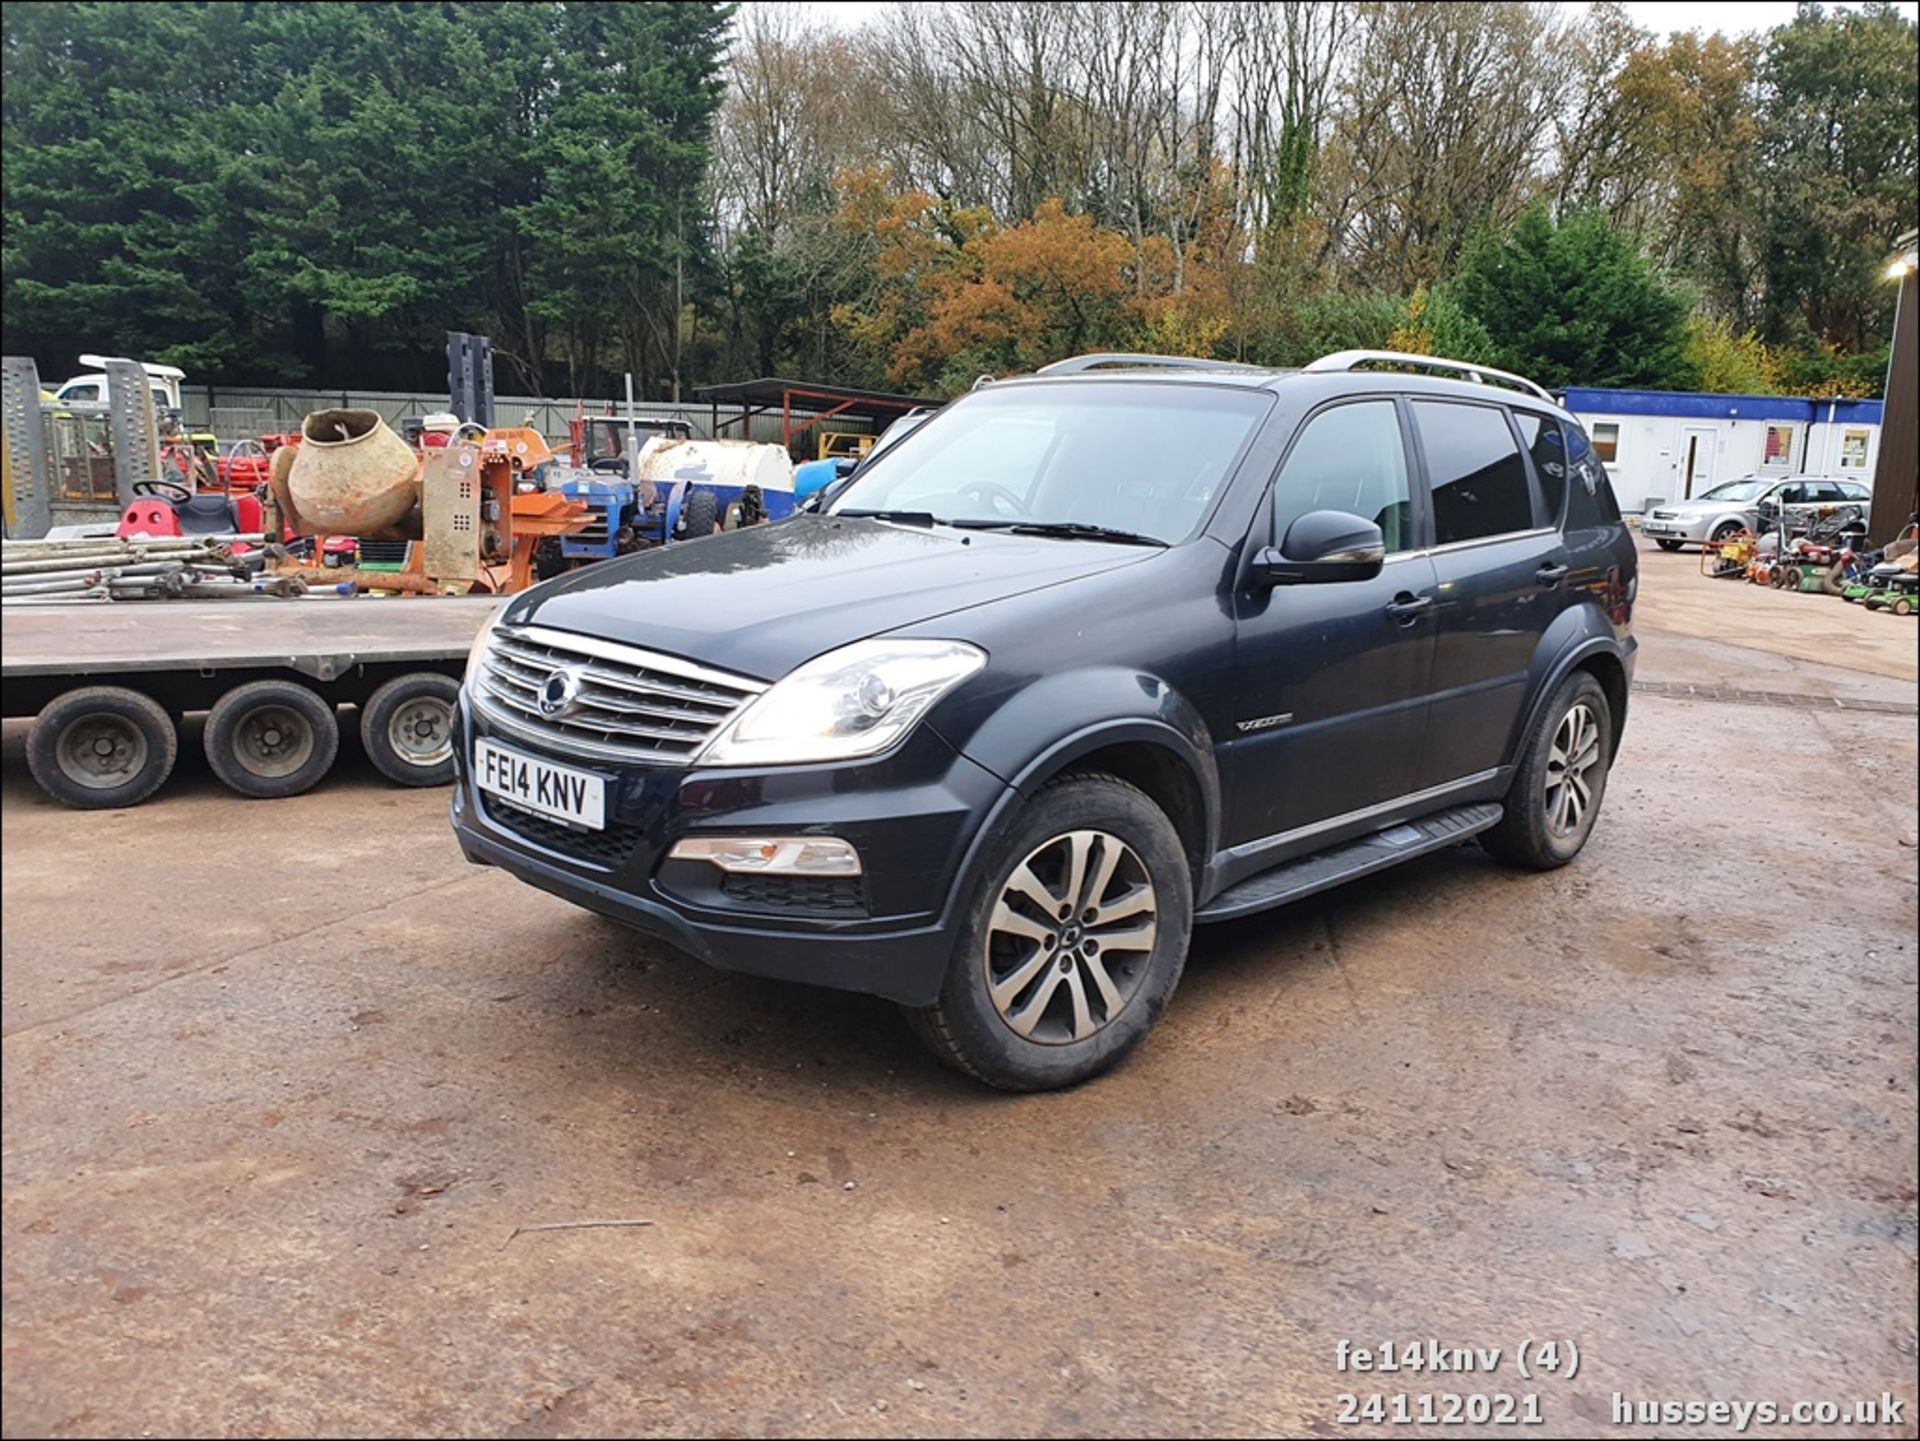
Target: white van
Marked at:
91, 389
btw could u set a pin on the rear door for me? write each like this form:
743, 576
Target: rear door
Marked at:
1331, 678
1500, 572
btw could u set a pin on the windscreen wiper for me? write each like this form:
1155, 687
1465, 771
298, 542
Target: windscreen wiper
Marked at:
898, 517
1065, 529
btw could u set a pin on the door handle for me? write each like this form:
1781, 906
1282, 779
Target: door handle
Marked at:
1406, 606
1550, 575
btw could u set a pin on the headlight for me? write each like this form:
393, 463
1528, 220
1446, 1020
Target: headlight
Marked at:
855, 701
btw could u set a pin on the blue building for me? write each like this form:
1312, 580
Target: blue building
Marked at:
1672, 445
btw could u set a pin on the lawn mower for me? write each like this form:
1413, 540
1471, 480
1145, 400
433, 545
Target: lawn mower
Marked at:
1898, 590
1732, 556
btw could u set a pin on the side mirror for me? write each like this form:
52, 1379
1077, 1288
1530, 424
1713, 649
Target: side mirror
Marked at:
845, 466
1323, 545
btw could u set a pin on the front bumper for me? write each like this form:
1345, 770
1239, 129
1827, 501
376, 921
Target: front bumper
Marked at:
1678, 528
914, 815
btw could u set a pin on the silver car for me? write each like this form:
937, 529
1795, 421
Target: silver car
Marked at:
1735, 505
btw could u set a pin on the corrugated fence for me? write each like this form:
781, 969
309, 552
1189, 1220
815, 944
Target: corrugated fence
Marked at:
235, 413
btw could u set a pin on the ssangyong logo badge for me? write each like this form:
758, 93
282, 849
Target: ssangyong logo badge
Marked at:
560, 692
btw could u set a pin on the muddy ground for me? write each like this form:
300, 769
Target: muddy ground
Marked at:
282, 1080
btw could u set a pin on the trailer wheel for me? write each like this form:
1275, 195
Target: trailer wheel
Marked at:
1902, 606
407, 728
102, 747
271, 738
700, 514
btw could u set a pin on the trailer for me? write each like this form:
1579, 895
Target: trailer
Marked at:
108, 682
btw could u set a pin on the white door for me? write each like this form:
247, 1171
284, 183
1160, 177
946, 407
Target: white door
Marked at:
1697, 445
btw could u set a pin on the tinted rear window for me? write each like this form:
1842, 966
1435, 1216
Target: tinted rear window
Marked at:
1546, 446
1479, 481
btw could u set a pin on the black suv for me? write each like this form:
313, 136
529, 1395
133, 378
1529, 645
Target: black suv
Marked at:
1091, 656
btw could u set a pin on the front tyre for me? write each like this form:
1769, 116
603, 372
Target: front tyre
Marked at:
1561, 780
1666, 544
1073, 945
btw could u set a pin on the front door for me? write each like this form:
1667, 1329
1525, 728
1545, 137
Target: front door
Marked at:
1500, 569
1331, 678
1697, 445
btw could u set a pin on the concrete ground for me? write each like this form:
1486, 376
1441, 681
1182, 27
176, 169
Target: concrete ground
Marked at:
283, 1079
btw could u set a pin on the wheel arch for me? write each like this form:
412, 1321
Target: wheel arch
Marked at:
1601, 655
1157, 770
1125, 722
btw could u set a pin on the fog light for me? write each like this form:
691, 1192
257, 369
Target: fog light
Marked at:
772, 855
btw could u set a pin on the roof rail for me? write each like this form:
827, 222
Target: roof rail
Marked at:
1079, 363
1485, 374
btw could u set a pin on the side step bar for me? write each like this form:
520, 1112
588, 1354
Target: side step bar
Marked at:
1371, 853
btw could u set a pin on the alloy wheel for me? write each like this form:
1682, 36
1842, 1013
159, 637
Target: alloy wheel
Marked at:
1069, 939
1568, 791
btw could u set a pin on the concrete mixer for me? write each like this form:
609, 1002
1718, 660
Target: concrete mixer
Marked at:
477, 510
350, 475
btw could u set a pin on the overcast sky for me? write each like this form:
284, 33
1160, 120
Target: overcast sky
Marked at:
1657, 15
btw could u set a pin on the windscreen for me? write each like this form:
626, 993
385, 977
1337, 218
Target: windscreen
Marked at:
1736, 490
1134, 457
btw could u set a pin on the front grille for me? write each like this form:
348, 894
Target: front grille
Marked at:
607, 847
632, 705
815, 895
1663, 515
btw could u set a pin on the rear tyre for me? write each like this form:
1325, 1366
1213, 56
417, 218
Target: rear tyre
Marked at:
1665, 544
699, 515
102, 747
1556, 792
1073, 945
407, 728
271, 738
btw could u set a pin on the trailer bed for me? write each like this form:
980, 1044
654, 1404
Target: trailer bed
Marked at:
320, 638
188, 647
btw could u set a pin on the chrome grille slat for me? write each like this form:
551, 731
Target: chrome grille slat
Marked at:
610, 724
542, 659
633, 705
535, 672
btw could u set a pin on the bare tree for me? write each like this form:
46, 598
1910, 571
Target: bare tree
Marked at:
1444, 113
1289, 59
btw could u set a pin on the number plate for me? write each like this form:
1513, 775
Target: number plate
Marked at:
562, 792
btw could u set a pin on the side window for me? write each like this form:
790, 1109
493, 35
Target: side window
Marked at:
1853, 491
1541, 435
1827, 493
1790, 495
84, 394
1349, 458
1479, 481
1590, 499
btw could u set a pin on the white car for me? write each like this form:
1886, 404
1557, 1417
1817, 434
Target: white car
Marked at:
1735, 505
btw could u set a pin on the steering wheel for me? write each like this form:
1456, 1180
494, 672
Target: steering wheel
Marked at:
994, 495
168, 490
